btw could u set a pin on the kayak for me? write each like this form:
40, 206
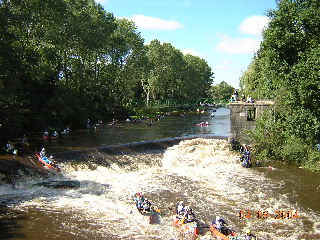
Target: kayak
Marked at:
190, 228
50, 166
153, 213
215, 233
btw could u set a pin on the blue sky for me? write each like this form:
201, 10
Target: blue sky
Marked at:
226, 33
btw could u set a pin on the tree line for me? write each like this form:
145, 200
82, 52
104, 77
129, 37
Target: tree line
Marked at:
63, 61
287, 69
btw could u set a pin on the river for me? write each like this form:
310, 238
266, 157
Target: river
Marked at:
200, 171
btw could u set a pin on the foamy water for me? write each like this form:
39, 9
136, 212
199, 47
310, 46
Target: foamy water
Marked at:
202, 172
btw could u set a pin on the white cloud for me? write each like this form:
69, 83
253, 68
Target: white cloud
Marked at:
238, 45
152, 23
254, 25
191, 51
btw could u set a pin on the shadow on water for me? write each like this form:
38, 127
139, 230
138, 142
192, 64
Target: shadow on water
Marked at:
9, 226
300, 185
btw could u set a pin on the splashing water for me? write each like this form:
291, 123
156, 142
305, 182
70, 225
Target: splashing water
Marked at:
202, 172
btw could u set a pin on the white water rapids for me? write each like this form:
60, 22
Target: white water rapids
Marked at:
202, 172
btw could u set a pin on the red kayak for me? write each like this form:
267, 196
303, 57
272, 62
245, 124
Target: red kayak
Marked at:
187, 228
215, 233
50, 166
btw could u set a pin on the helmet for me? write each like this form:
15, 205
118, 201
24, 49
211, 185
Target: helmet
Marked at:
188, 208
139, 194
218, 218
180, 203
248, 231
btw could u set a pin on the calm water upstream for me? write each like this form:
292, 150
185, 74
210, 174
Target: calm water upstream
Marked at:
202, 172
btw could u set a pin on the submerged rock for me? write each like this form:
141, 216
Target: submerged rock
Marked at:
59, 184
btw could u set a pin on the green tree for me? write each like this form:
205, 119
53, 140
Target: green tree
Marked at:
221, 92
286, 69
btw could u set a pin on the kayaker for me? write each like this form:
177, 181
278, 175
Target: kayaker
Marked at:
246, 159
188, 215
42, 152
44, 157
139, 199
89, 125
220, 224
146, 205
249, 235
9, 147
55, 134
180, 208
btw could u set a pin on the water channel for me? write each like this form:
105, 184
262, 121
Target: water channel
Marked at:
201, 171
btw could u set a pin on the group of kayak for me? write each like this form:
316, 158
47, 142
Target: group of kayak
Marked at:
244, 150
48, 162
186, 222
245, 158
54, 134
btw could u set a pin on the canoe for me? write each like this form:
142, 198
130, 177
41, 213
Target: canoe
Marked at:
215, 233
153, 214
56, 168
187, 228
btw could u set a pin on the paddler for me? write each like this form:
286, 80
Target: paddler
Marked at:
146, 205
220, 224
180, 208
139, 199
188, 215
249, 235
42, 152
9, 147
45, 158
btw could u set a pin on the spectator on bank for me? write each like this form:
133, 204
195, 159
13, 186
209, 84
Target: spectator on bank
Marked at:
236, 95
250, 99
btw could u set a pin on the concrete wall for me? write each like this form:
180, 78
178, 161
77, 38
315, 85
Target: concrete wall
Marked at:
241, 110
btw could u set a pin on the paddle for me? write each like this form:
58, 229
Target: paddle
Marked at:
181, 221
156, 209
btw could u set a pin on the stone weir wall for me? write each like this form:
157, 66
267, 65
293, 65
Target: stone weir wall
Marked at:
13, 168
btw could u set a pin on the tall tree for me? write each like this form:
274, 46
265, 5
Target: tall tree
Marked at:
286, 69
